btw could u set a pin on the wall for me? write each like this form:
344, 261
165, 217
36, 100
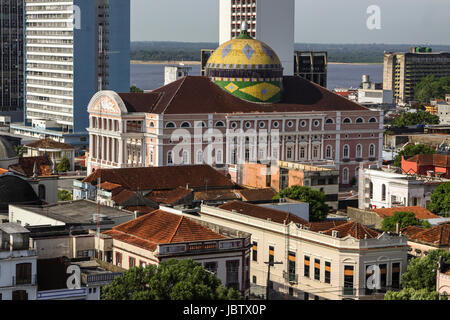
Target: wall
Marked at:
367, 218
254, 175
30, 218
8, 271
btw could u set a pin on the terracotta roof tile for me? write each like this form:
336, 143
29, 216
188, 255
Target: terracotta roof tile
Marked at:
410, 231
26, 166
160, 227
437, 160
49, 144
184, 94
438, 235
262, 212
140, 209
162, 178
170, 197
123, 196
265, 194
353, 229
216, 195
420, 213
325, 225
108, 186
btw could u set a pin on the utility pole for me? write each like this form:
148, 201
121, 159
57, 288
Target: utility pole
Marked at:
269, 264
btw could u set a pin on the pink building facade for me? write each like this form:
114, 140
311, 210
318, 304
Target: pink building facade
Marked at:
312, 125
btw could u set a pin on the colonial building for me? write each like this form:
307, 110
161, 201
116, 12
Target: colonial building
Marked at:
244, 110
421, 240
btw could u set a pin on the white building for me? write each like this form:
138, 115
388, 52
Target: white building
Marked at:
269, 21
74, 48
383, 189
444, 112
173, 73
18, 280
373, 96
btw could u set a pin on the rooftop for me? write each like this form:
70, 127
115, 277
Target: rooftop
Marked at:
420, 213
436, 160
161, 227
437, 236
162, 178
49, 144
80, 212
13, 228
26, 166
200, 95
353, 229
251, 195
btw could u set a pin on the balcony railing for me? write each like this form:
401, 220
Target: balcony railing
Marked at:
290, 277
32, 281
348, 291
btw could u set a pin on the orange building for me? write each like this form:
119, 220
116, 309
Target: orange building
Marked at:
427, 164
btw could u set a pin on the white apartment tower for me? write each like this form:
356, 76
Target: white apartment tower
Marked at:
74, 48
270, 21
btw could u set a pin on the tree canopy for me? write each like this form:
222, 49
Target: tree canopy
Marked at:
440, 200
63, 165
171, 280
136, 89
318, 209
64, 195
419, 281
432, 87
414, 118
405, 219
412, 150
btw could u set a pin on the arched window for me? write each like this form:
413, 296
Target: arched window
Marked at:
383, 192
170, 125
200, 124
169, 157
329, 121
41, 191
373, 120
199, 157
185, 125
347, 120
359, 151
346, 151
372, 151
359, 120
185, 157
329, 152
345, 176
220, 124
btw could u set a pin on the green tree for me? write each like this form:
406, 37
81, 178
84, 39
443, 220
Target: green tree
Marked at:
64, 195
405, 219
412, 150
432, 87
414, 118
318, 209
136, 89
171, 280
412, 294
20, 150
63, 165
440, 200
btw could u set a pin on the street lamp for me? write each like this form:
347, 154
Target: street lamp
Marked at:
269, 264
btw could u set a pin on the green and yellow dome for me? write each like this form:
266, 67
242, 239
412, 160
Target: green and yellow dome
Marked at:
248, 69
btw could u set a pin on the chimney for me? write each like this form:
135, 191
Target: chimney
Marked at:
187, 186
136, 214
397, 228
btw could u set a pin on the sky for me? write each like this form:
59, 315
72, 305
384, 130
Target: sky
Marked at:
316, 21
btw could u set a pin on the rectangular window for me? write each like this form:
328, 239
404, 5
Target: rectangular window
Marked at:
211, 266
291, 266
232, 274
118, 259
383, 280
317, 269
255, 251
291, 291
271, 254
306, 296
306, 266
348, 280
132, 262
327, 272
396, 275
142, 264
254, 279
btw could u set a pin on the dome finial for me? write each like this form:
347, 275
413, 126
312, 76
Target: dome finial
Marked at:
244, 31
244, 26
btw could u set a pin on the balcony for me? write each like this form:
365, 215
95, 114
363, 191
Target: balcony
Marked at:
290, 277
348, 291
31, 281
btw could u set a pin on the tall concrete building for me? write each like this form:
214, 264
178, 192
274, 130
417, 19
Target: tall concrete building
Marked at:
74, 48
312, 65
11, 59
269, 21
404, 70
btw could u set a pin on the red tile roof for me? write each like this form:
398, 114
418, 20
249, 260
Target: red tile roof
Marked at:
140, 209
162, 178
49, 144
201, 95
122, 196
171, 197
354, 229
216, 195
108, 186
262, 212
437, 236
265, 194
436, 160
420, 213
160, 227
325, 225
26, 166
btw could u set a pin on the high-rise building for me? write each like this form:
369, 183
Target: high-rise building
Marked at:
404, 70
312, 65
74, 48
269, 21
11, 59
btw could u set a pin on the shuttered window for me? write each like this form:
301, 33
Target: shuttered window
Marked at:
271, 254
255, 251
317, 269
327, 272
396, 275
348, 280
306, 266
